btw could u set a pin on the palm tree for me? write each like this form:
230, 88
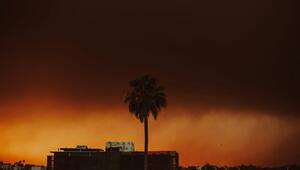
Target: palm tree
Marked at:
145, 96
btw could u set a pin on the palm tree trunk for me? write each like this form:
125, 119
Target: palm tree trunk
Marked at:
146, 144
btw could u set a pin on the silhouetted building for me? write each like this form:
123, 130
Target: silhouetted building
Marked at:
96, 159
20, 166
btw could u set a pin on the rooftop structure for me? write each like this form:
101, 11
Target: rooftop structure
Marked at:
120, 146
79, 148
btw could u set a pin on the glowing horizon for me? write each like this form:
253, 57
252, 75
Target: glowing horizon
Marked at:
209, 137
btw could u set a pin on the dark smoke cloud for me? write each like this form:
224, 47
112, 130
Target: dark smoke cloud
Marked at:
213, 54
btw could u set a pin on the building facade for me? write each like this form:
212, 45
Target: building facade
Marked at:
96, 159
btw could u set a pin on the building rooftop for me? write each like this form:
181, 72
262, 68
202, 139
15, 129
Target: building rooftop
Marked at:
85, 149
79, 148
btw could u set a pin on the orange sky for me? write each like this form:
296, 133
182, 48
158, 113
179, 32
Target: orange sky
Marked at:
30, 130
230, 70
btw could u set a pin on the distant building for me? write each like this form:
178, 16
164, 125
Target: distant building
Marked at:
121, 146
15, 166
96, 159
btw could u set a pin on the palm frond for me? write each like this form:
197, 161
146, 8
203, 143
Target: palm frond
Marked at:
145, 96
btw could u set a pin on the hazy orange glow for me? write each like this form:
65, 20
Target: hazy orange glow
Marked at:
30, 130
230, 68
